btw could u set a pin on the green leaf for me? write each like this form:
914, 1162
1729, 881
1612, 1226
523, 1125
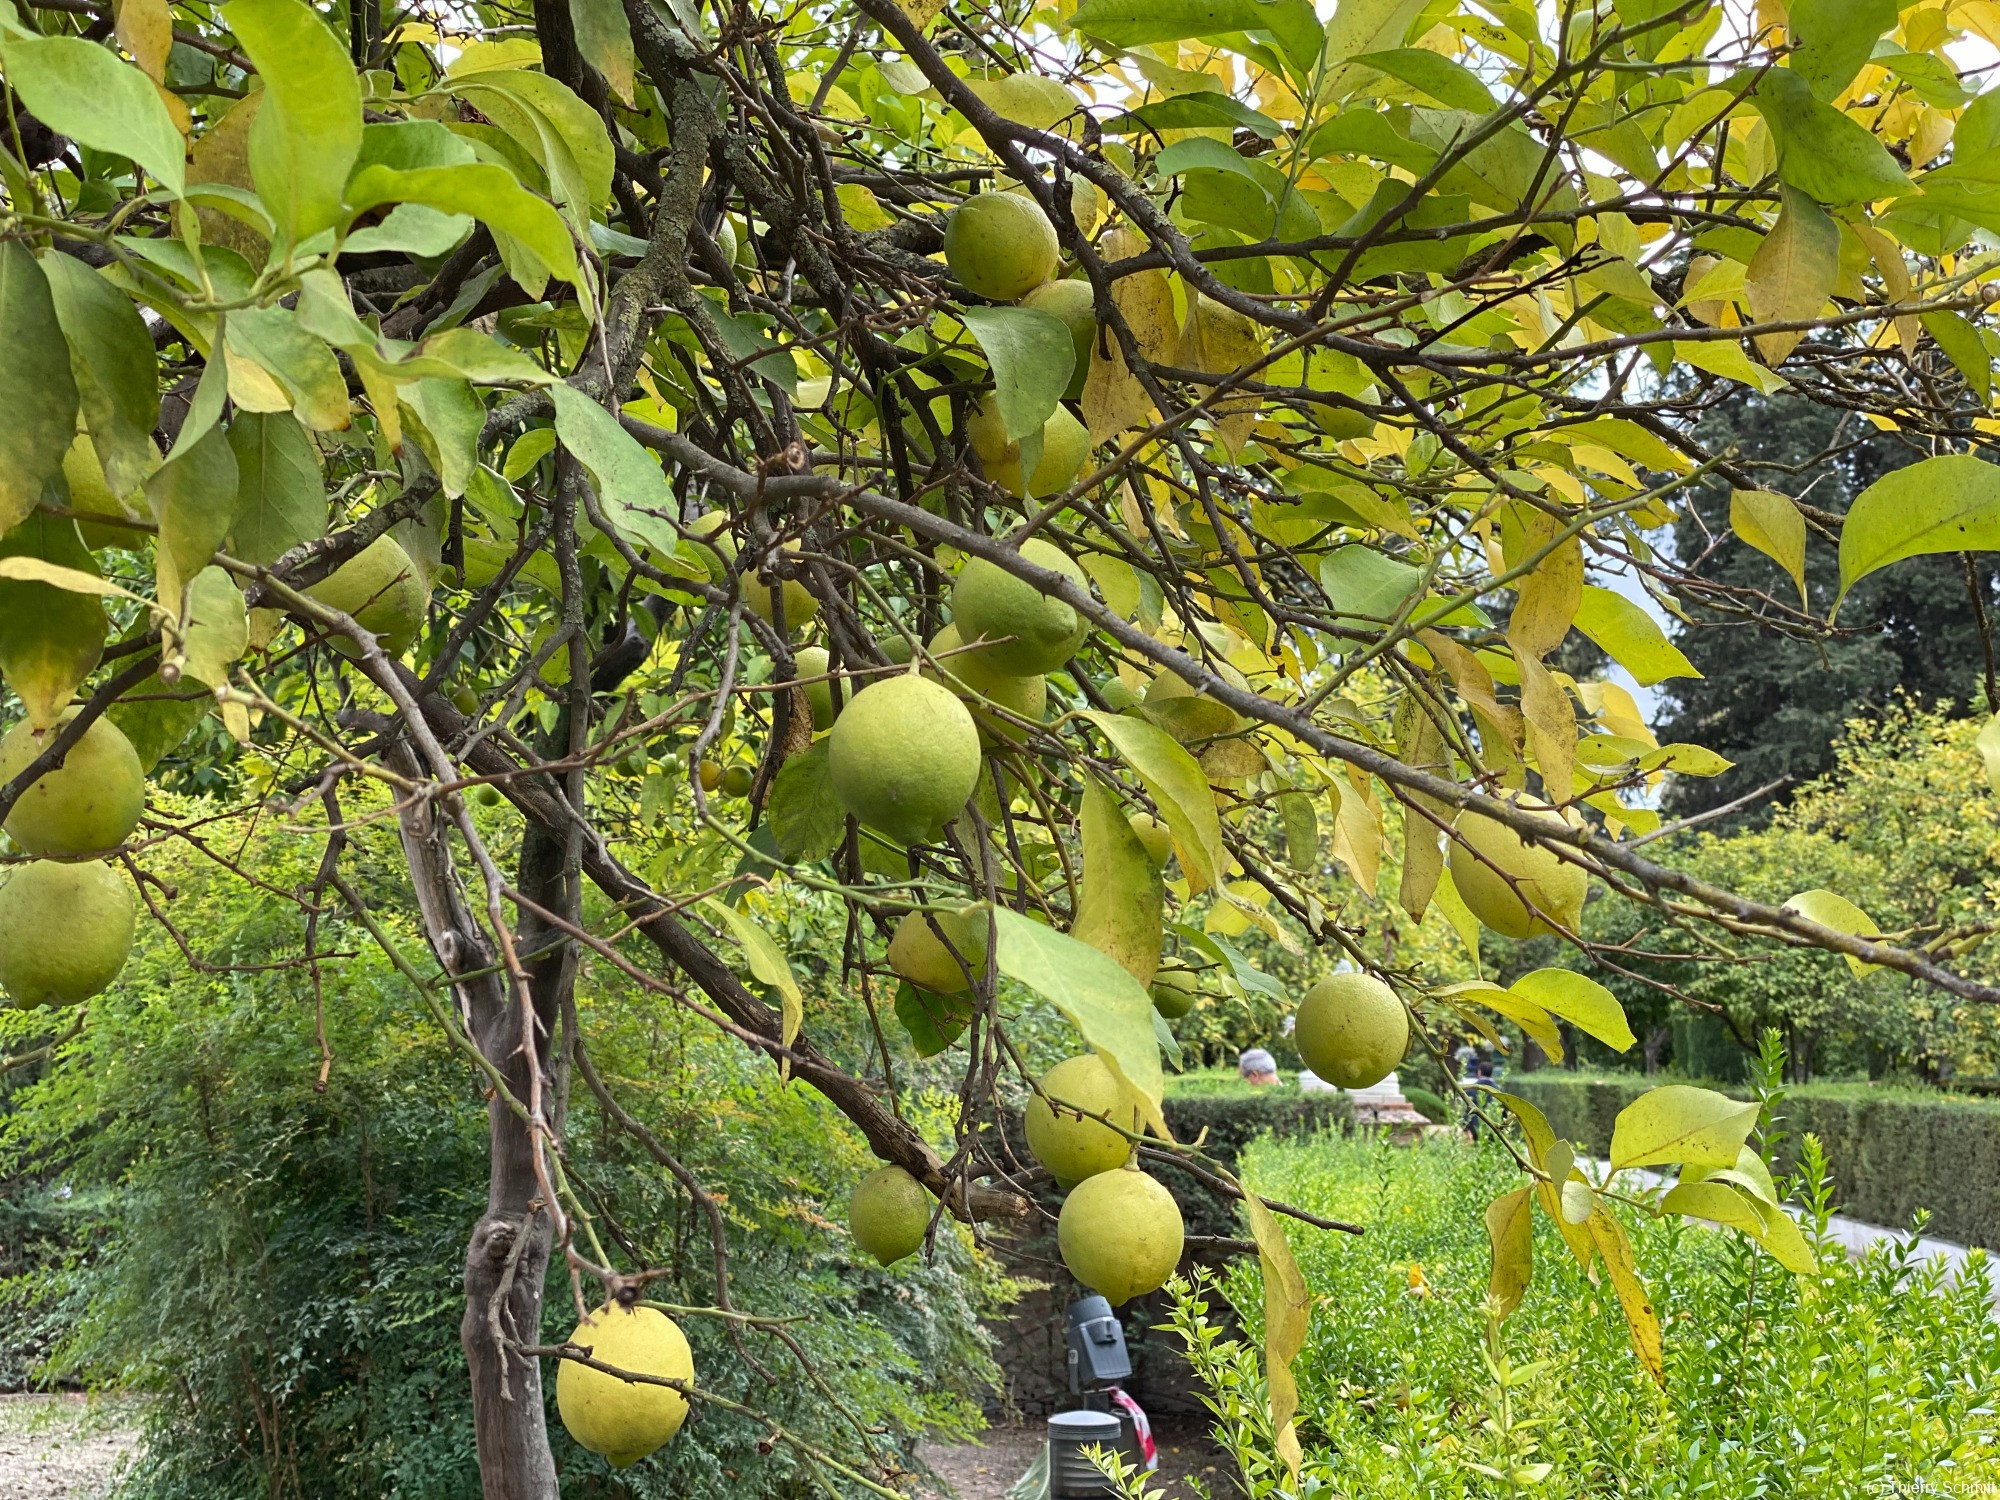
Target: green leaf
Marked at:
1107, 1005
1510, 1226
604, 37
1829, 156
1287, 1317
449, 418
1774, 525
307, 134
1177, 784
1716, 1202
486, 192
1678, 1123
36, 390
1301, 821
570, 141
1123, 902
806, 818
1202, 109
1579, 1000
1832, 40
51, 638
1451, 83
214, 630
193, 497
767, 963
1946, 504
303, 366
280, 494
933, 1021
1963, 346
1831, 909
156, 717
1630, 636
1033, 358
1365, 586
630, 485
112, 360
1134, 23
94, 97
1359, 27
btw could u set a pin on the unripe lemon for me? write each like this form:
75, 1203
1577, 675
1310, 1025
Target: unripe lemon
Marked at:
1155, 835
917, 954
711, 775
93, 802
737, 781
1073, 1148
1491, 854
380, 590
1075, 304
1121, 1235
1174, 993
1065, 450
65, 931
622, 1419
816, 661
990, 604
801, 604
1000, 245
889, 1214
903, 757
1352, 1030
974, 679
718, 555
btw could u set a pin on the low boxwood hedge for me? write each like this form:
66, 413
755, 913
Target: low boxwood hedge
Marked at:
1892, 1151
1233, 1120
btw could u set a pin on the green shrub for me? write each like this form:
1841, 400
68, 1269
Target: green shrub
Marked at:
1892, 1152
278, 1265
1429, 1105
1874, 1372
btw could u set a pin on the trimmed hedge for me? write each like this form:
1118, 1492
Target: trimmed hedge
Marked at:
1234, 1120
1891, 1152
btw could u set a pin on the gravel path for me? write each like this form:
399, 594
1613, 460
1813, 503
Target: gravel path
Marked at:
984, 1470
61, 1447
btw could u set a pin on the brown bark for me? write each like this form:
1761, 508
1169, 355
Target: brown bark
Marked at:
508, 1254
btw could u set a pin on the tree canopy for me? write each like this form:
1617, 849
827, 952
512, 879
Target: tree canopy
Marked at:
1035, 493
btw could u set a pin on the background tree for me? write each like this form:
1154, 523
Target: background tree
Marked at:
1777, 707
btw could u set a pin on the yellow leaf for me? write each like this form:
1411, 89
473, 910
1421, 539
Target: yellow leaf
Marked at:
1725, 357
1120, 910
1510, 1225
1287, 1312
1548, 596
1551, 724
1831, 909
1793, 272
1357, 831
1640, 1319
1772, 524
1113, 400
1420, 744
146, 30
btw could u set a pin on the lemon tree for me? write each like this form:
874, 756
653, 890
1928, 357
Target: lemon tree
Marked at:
1067, 484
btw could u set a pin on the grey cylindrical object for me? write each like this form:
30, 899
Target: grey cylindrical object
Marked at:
1070, 1472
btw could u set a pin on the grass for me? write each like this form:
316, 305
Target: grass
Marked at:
1871, 1378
